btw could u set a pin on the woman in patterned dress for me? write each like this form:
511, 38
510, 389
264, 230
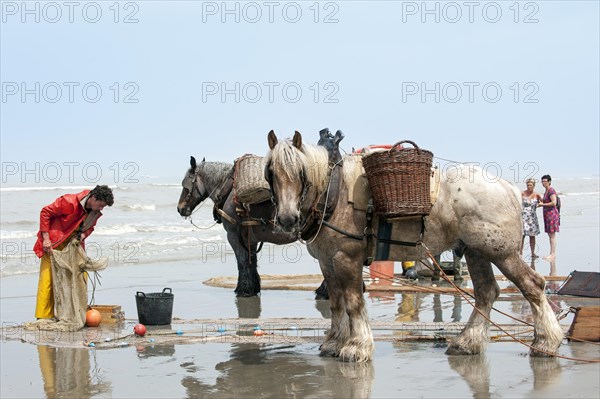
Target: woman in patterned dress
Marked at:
531, 227
551, 215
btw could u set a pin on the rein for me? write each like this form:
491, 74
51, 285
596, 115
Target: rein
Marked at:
327, 210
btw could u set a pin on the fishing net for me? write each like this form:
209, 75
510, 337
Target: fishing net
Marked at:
70, 267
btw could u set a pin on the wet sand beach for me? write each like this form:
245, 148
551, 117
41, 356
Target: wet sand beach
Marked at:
272, 368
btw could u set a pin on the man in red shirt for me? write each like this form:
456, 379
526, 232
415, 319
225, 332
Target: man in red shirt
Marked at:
71, 216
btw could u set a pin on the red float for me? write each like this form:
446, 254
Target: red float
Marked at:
140, 330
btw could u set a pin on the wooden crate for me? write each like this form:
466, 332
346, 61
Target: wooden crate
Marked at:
586, 324
111, 314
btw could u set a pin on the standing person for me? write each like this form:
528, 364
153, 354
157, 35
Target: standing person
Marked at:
71, 216
551, 215
531, 227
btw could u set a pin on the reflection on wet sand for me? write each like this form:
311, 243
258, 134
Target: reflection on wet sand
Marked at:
296, 375
475, 370
145, 352
66, 373
522, 310
437, 309
408, 310
411, 303
546, 371
248, 307
323, 306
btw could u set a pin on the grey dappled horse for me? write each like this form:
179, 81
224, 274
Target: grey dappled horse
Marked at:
214, 180
475, 214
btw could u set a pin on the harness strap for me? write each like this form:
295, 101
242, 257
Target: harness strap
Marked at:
394, 242
224, 191
350, 235
369, 233
251, 223
224, 215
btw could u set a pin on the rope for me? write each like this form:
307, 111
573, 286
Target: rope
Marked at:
325, 207
197, 208
202, 227
94, 280
447, 279
496, 325
464, 293
418, 288
456, 162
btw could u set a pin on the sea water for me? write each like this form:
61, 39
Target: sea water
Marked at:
144, 227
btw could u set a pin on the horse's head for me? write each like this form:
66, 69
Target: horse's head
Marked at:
331, 144
193, 192
294, 170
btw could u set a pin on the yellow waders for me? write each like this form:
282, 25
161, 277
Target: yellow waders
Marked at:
44, 308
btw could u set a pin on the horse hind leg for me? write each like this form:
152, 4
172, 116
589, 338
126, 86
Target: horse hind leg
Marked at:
473, 338
248, 278
548, 334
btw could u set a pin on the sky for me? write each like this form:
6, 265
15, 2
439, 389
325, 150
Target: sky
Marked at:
123, 92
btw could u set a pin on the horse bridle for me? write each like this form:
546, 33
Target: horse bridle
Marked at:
192, 178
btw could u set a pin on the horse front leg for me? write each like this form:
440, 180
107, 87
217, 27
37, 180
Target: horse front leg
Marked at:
334, 339
473, 338
321, 293
357, 337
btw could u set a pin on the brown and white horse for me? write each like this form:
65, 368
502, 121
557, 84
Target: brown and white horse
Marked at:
471, 212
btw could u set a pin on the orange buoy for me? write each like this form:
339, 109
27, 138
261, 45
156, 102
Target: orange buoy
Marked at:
93, 318
139, 330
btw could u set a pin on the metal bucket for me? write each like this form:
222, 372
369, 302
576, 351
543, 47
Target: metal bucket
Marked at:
155, 309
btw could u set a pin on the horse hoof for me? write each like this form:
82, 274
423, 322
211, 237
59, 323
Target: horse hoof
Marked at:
536, 353
245, 294
328, 349
454, 350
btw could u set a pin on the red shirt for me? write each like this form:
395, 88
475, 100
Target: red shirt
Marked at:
61, 218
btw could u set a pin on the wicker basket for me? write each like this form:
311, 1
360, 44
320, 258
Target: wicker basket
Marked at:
250, 184
399, 180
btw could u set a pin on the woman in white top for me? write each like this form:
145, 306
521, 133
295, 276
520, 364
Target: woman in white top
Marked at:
531, 227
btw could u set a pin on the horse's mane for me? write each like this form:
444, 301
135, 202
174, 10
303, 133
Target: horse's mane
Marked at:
313, 159
352, 169
214, 173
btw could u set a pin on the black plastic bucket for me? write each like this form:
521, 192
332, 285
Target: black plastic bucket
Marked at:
156, 308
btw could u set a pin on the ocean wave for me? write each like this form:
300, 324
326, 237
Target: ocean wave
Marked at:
176, 243
56, 188
169, 185
116, 229
140, 207
167, 229
20, 223
44, 188
16, 234
582, 194
119, 229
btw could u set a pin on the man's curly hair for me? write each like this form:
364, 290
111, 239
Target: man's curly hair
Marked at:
103, 193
